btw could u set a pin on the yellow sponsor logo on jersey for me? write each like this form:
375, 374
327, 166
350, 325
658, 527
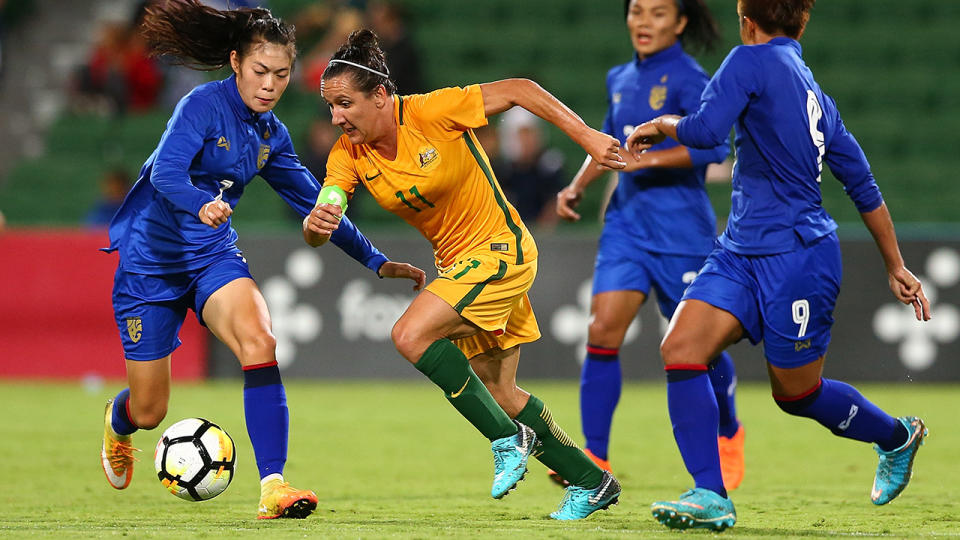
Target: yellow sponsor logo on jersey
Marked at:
263, 156
222, 142
135, 328
429, 157
658, 96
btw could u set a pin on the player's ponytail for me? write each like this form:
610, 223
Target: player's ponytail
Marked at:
201, 37
701, 33
362, 57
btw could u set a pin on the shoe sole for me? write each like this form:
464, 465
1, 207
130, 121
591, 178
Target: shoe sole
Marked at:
298, 510
512, 487
896, 493
103, 456
679, 520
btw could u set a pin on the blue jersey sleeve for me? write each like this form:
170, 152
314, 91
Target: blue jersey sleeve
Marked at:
690, 93
349, 238
299, 188
724, 98
179, 145
849, 164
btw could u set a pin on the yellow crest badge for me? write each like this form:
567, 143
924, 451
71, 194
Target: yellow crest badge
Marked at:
658, 96
263, 156
135, 328
429, 157
222, 142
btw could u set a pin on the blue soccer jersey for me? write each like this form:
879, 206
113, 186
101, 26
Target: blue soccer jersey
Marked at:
212, 148
662, 210
786, 127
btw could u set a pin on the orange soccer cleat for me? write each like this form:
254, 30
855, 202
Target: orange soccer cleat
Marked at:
731, 459
279, 500
116, 454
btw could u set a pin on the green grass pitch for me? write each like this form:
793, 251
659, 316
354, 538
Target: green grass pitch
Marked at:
394, 460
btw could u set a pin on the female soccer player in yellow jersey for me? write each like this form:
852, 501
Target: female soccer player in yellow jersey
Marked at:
419, 158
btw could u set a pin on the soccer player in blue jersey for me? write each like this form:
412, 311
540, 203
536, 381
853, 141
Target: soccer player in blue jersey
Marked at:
178, 250
776, 273
659, 226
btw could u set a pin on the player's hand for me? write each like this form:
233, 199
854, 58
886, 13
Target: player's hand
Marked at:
392, 269
643, 137
908, 290
567, 199
604, 149
215, 213
323, 219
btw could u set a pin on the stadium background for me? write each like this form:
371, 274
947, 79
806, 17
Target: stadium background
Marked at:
891, 65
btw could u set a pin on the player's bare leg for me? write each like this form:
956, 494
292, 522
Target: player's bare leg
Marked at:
237, 314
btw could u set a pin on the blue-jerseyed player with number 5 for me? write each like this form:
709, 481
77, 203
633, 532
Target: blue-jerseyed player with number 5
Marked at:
178, 250
776, 273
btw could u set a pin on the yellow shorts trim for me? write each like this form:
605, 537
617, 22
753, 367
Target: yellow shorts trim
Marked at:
492, 294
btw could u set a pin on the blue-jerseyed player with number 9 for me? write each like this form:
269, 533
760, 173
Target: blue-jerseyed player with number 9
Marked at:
659, 226
178, 250
776, 273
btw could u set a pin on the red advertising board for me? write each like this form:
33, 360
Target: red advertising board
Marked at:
56, 317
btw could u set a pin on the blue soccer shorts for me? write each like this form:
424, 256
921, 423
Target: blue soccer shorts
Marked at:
622, 267
150, 309
785, 300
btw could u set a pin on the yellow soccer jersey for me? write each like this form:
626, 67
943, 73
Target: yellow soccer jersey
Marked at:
441, 181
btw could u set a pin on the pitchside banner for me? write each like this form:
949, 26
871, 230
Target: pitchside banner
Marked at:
332, 317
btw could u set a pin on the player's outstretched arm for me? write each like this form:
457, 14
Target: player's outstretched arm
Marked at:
905, 286
502, 95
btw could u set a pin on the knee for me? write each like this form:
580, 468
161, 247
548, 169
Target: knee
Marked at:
603, 333
406, 341
150, 416
676, 350
257, 348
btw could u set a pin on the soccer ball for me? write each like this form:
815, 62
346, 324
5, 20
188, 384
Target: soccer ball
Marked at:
195, 459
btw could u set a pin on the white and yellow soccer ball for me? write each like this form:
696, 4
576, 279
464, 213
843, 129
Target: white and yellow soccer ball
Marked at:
195, 459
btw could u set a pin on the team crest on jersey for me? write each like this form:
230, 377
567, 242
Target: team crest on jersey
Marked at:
135, 328
222, 142
658, 96
429, 157
266, 134
263, 156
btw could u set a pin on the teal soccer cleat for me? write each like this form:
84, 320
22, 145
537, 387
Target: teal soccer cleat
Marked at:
510, 455
696, 509
579, 502
896, 466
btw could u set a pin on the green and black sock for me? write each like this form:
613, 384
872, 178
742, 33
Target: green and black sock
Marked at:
445, 365
556, 449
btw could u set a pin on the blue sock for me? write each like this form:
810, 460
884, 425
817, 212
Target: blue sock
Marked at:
265, 409
600, 386
120, 420
693, 412
843, 410
723, 379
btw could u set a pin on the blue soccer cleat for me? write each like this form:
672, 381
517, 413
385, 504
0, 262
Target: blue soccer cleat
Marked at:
696, 509
896, 466
510, 455
579, 502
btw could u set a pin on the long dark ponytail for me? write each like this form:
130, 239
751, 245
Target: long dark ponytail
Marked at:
362, 47
701, 33
201, 37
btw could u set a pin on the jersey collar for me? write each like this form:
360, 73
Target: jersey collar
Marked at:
243, 112
783, 40
658, 59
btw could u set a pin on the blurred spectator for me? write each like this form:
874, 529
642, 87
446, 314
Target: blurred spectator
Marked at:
113, 188
387, 20
119, 75
533, 173
320, 138
326, 25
